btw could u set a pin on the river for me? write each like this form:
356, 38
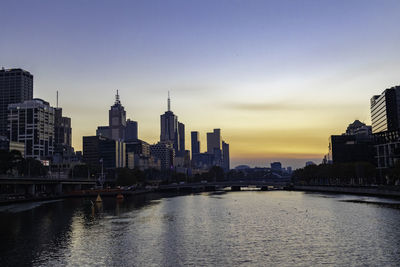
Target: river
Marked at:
248, 228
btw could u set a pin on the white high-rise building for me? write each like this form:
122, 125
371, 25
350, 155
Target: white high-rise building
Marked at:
32, 123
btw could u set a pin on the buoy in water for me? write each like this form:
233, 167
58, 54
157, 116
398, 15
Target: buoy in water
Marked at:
120, 196
98, 199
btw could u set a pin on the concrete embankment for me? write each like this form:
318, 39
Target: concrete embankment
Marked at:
77, 194
368, 191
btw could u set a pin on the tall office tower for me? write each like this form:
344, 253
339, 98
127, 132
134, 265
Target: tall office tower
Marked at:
195, 143
117, 120
32, 123
214, 141
16, 86
169, 127
131, 130
385, 115
181, 134
225, 156
62, 136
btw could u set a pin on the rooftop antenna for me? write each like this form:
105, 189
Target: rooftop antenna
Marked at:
169, 103
117, 98
57, 98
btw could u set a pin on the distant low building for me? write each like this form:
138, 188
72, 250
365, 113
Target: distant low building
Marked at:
276, 167
310, 163
139, 156
351, 148
242, 167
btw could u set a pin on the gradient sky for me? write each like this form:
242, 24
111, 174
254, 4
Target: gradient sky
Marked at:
278, 77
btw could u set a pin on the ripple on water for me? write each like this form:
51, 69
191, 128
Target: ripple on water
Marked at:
238, 229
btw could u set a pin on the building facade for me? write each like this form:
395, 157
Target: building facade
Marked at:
16, 86
101, 151
385, 110
169, 127
63, 151
213, 141
118, 127
131, 130
32, 123
165, 152
117, 120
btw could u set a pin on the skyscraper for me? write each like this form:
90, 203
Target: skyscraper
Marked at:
213, 141
169, 127
131, 130
32, 123
225, 156
385, 110
118, 127
117, 120
62, 137
16, 86
195, 143
181, 134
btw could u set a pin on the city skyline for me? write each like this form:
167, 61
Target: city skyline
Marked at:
253, 70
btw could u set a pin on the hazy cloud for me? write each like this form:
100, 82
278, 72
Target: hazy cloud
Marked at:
287, 106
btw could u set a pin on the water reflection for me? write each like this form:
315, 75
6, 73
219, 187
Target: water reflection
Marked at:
238, 228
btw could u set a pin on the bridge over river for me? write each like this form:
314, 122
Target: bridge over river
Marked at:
23, 187
232, 185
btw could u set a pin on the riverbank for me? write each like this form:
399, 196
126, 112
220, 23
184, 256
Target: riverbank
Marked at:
76, 194
367, 191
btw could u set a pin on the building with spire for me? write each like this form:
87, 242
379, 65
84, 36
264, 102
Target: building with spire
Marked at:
117, 120
169, 127
172, 132
118, 127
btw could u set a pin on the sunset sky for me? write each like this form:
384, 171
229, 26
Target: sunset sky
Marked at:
278, 77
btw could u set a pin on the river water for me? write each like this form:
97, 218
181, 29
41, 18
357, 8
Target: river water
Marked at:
275, 228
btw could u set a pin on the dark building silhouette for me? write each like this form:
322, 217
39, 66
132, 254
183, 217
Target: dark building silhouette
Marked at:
16, 86
351, 148
385, 117
359, 128
118, 127
131, 130
63, 150
385, 110
213, 141
225, 156
181, 134
195, 143
98, 150
117, 120
276, 167
215, 156
169, 127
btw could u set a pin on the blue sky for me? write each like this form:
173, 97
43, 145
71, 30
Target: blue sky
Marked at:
278, 77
